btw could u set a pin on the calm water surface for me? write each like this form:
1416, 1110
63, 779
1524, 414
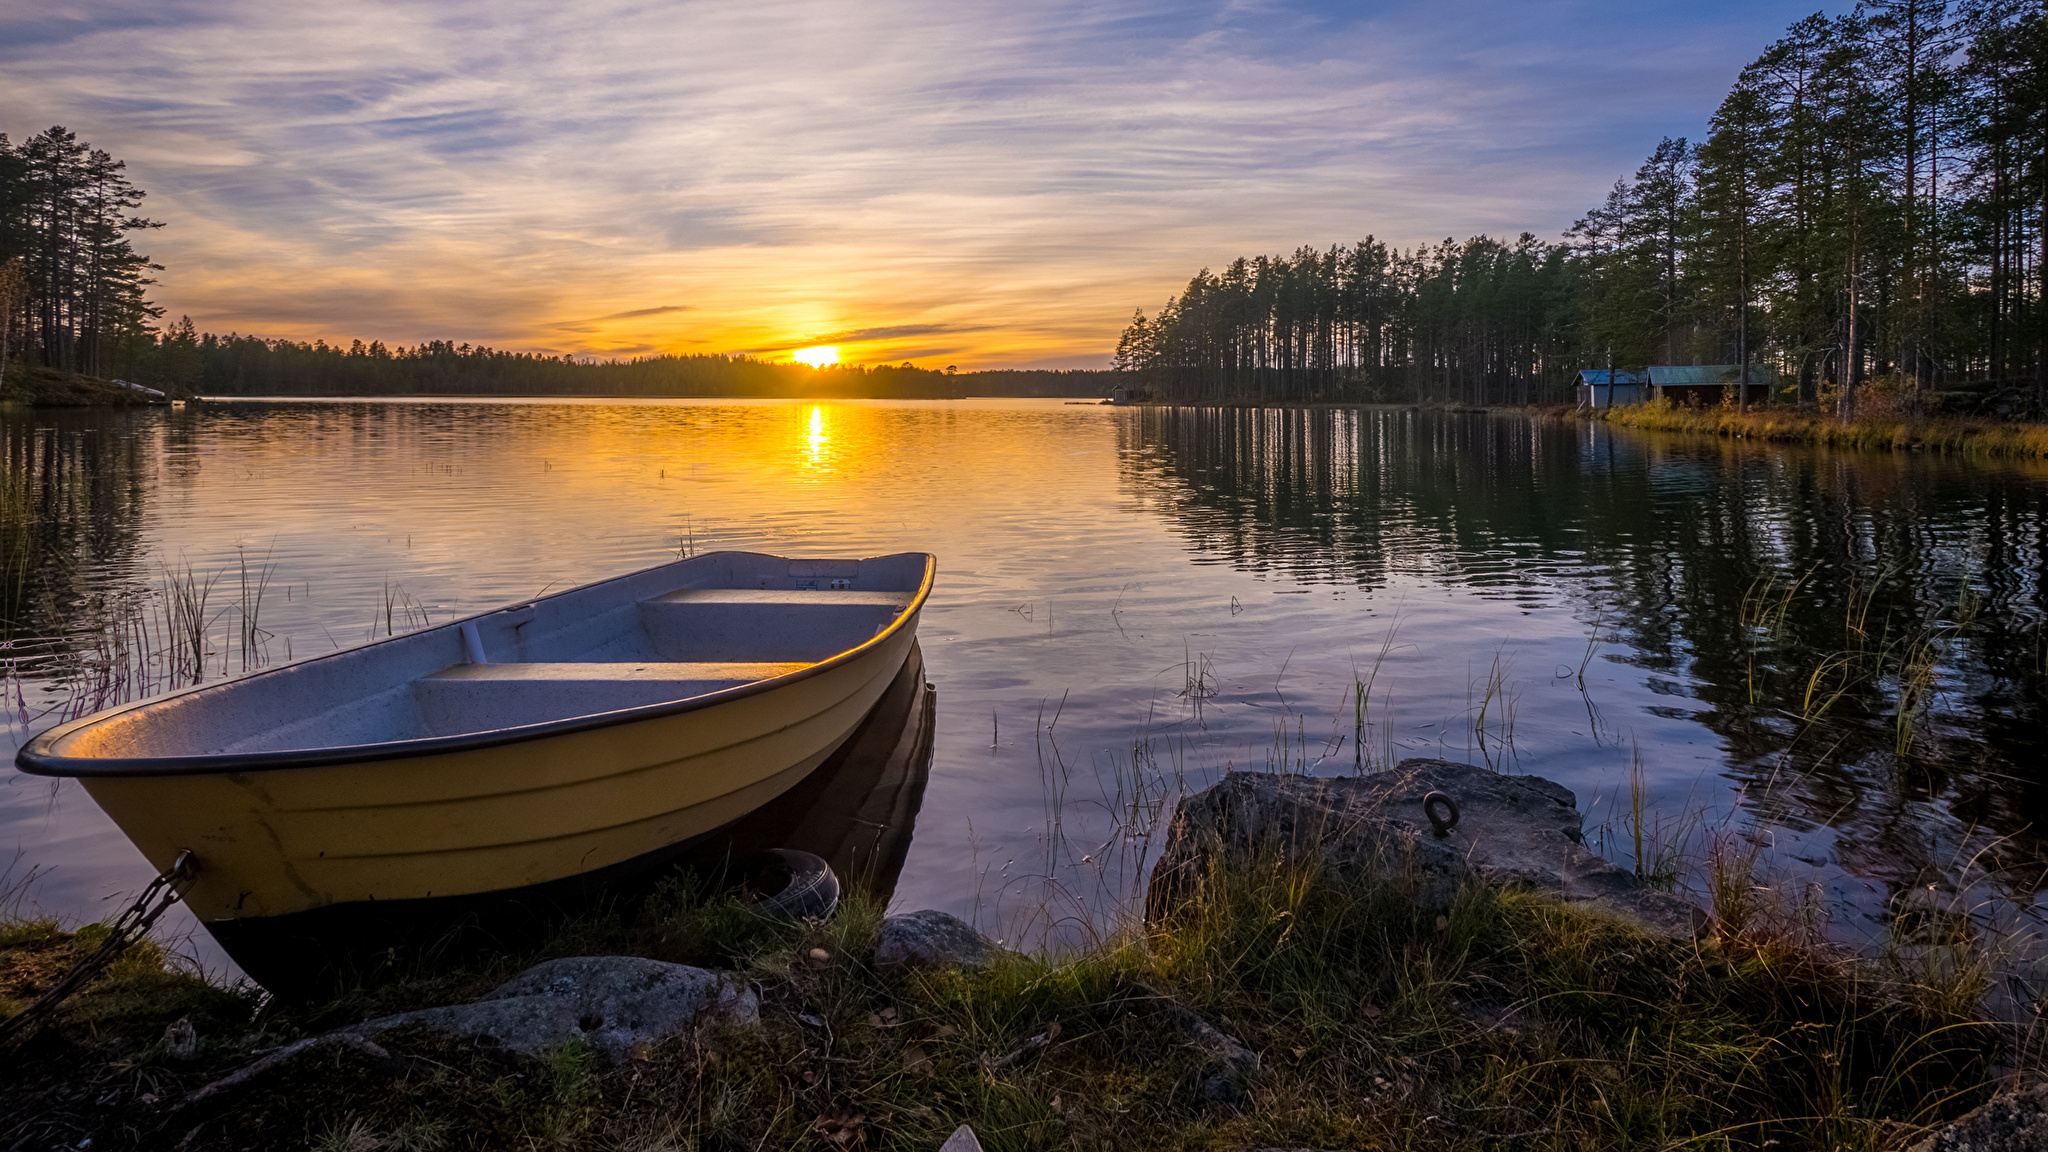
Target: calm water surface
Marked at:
1134, 601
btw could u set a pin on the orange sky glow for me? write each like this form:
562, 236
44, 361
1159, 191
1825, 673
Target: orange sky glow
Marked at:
970, 183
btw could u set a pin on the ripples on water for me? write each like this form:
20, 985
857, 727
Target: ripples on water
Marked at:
1132, 601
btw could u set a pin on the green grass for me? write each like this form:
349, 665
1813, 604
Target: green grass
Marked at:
1511, 1021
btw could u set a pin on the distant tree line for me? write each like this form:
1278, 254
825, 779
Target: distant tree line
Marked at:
72, 298
71, 281
1867, 209
182, 359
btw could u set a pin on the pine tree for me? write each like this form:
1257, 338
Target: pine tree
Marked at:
64, 211
1732, 245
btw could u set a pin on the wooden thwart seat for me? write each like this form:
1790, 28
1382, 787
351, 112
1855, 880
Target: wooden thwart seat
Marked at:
735, 672
795, 597
780, 624
484, 697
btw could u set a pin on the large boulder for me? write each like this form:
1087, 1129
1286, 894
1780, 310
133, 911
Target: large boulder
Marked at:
2011, 1122
615, 1003
931, 939
1521, 831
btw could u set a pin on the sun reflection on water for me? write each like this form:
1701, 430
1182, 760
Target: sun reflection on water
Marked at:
818, 452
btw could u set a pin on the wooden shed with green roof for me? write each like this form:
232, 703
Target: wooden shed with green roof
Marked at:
1699, 384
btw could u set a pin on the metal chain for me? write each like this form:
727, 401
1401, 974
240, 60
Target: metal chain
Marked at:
128, 927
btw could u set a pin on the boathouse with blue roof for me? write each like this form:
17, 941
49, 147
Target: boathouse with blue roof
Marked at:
1611, 387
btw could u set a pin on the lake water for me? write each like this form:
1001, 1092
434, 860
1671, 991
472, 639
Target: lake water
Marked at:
1133, 601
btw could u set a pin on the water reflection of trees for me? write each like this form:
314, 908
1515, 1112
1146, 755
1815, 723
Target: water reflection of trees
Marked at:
1689, 550
72, 492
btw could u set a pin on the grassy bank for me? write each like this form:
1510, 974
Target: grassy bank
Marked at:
1511, 1022
40, 387
1883, 428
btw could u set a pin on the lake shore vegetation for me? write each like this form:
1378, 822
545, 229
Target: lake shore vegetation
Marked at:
1884, 429
1868, 206
1513, 1020
38, 387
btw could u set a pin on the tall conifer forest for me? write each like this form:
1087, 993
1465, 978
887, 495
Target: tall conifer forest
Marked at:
71, 282
1866, 212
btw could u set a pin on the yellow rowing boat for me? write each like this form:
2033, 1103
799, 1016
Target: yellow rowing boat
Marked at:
590, 733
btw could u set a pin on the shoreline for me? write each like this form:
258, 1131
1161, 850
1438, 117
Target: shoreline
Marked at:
33, 386
1961, 436
1967, 436
1346, 1009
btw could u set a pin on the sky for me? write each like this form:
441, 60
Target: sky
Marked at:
985, 184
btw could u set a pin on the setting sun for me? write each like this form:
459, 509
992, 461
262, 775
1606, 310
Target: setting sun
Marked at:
818, 357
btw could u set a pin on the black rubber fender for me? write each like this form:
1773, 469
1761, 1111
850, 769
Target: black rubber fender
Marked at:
812, 890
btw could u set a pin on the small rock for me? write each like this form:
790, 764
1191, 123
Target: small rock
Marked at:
1512, 831
930, 939
1238, 1063
181, 1040
2011, 1122
613, 1002
962, 1140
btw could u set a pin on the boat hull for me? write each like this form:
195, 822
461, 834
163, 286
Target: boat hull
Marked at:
300, 952
509, 816
596, 729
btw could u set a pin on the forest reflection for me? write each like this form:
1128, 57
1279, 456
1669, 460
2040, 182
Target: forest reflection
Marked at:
1852, 642
1862, 631
71, 504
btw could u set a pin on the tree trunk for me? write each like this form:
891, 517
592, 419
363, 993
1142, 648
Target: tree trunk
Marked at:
1846, 405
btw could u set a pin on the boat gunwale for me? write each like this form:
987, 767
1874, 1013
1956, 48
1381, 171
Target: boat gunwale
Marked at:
37, 758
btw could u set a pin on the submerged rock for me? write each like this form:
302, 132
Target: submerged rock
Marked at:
2011, 1122
613, 1002
931, 939
1511, 831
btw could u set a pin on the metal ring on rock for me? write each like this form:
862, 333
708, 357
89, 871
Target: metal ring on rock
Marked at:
1442, 824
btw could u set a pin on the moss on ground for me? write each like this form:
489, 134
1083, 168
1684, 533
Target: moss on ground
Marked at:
1512, 1021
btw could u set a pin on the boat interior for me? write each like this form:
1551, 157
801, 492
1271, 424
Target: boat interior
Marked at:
683, 630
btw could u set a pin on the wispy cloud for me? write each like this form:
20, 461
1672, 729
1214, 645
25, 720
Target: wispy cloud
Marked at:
996, 183
853, 338
597, 323
636, 313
